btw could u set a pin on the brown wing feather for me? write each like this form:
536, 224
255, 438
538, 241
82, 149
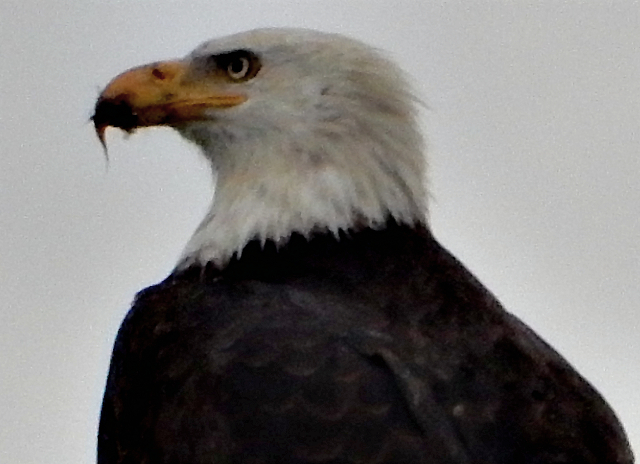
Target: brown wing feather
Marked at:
377, 348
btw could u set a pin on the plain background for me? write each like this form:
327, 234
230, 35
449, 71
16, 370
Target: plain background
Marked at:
532, 116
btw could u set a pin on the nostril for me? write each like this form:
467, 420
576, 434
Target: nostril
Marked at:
158, 74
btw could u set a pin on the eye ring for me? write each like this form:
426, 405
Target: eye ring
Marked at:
238, 68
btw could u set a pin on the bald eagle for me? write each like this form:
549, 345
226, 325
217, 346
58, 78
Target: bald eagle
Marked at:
313, 317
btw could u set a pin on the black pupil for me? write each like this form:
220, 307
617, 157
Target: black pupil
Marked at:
237, 65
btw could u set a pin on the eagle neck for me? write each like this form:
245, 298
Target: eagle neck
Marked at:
301, 182
358, 253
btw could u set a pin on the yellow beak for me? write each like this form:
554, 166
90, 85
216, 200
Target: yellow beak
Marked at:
158, 94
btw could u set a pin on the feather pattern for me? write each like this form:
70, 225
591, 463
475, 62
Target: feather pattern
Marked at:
378, 347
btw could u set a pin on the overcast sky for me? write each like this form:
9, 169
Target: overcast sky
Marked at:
532, 116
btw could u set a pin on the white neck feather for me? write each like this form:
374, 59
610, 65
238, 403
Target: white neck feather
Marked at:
267, 189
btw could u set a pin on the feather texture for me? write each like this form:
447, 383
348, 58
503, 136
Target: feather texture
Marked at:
377, 347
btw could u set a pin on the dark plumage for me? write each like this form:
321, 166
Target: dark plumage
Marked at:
377, 347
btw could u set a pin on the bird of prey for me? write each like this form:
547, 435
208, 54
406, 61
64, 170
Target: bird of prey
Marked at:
313, 317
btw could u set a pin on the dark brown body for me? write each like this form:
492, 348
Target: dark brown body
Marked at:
376, 348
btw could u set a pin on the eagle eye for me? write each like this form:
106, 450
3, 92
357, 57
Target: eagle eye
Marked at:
239, 65
238, 68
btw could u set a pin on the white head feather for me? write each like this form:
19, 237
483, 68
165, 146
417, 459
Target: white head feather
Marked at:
327, 140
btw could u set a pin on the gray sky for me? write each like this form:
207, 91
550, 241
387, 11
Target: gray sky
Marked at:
533, 125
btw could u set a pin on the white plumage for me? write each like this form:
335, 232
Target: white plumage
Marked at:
327, 138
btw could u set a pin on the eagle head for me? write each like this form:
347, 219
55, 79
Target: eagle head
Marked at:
306, 132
